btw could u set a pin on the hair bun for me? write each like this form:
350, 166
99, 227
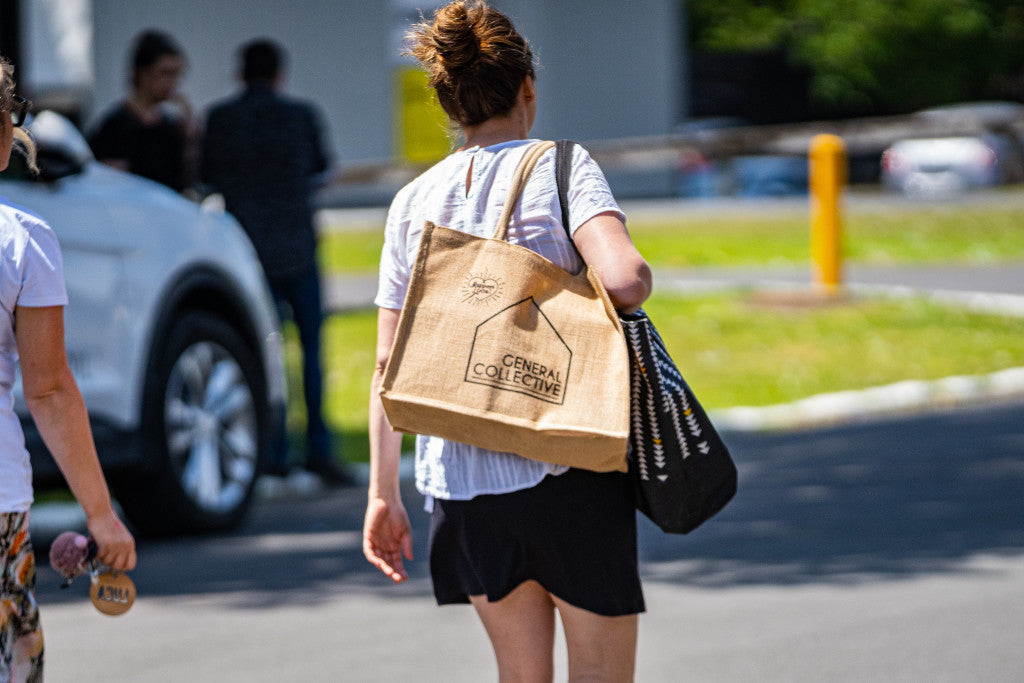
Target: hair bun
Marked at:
475, 60
455, 37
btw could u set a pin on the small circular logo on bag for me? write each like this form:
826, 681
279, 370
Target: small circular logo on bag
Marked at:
480, 288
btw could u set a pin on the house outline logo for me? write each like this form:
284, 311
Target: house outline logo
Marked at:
500, 356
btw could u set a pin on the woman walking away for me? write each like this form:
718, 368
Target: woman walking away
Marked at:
520, 539
32, 333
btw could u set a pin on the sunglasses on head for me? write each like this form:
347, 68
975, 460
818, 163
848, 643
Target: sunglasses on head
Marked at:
19, 109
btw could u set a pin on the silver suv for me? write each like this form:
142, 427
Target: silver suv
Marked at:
171, 334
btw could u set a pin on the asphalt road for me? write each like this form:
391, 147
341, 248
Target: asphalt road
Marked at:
889, 550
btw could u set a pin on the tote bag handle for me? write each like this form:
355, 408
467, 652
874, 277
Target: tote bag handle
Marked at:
519, 178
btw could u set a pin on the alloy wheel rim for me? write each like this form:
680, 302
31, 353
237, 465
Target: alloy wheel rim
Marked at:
210, 427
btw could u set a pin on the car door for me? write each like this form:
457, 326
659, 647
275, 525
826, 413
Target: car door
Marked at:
93, 252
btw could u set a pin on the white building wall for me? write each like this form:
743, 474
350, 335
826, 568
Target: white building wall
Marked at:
608, 68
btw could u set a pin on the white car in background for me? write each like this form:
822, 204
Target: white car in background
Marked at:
171, 335
993, 154
930, 166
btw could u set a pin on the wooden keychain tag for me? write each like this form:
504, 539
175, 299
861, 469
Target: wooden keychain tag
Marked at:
112, 592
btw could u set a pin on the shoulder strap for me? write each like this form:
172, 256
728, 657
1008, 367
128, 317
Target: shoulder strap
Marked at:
563, 166
519, 178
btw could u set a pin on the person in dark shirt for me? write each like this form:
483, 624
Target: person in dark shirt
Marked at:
266, 155
141, 135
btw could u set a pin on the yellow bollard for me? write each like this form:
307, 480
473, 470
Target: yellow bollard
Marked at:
827, 177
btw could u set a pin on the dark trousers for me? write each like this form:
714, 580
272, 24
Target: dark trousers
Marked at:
299, 295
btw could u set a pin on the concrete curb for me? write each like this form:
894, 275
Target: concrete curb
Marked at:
843, 406
995, 303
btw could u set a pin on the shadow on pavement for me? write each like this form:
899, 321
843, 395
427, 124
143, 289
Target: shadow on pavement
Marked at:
883, 499
889, 498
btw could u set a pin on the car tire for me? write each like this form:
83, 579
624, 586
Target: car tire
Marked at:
204, 425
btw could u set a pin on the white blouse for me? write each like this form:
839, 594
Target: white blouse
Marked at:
447, 469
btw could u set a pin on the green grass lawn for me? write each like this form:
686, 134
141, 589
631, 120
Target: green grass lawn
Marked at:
735, 351
922, 235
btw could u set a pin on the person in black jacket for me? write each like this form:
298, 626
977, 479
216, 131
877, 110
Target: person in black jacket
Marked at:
151, 133
265, 154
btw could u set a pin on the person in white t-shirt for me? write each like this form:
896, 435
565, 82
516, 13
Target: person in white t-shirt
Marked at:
517, 538
32, 299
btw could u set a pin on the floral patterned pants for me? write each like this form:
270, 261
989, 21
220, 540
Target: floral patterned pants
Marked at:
21, 637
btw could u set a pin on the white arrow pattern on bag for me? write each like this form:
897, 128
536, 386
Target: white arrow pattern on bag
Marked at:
644, 413
638, 411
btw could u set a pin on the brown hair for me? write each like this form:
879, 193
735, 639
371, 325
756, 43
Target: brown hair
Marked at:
148, 48
475, 58
22, 141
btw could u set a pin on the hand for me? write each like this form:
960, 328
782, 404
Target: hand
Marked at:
116, 547
387, 535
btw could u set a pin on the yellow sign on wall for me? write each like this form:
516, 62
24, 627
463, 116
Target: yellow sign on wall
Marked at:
422, 126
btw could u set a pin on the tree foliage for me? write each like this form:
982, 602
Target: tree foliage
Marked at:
878, 56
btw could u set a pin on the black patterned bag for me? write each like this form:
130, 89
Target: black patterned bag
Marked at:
682, 470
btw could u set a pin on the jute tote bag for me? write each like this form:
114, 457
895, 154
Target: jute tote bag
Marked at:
500, 348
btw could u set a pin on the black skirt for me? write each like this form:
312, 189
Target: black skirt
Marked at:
575, 534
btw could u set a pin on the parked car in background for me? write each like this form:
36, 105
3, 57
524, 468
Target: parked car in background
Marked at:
769, 175
928, 166
171, 334
934, 165
741, 175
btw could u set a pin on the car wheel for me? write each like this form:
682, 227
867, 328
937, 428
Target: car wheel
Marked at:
203, 423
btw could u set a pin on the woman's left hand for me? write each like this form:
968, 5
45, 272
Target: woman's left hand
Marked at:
387, 536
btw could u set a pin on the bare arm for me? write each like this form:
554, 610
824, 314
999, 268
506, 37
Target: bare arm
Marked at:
387, 534
604, 244
56, 404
